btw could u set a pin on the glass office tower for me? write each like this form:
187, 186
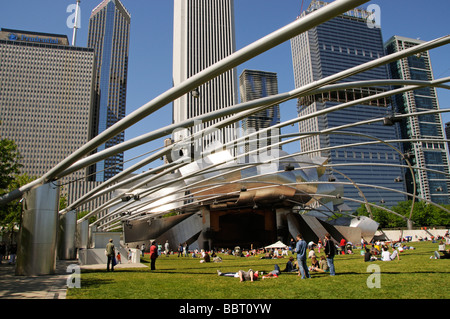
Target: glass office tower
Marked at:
447, 133
428, 154
109, 34
254, 84
368, 169
203, 35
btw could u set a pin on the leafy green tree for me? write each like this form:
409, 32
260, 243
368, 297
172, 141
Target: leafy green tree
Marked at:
11, 213
423, 215
62, 202
10, 179
9, 164
9, 172
84, 213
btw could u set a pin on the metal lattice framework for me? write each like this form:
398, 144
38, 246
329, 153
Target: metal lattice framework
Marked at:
186, 184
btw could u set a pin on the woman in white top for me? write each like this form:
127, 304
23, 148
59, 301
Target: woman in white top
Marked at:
312, 253
386, 256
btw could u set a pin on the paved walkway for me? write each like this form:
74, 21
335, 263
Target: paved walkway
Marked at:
42, 287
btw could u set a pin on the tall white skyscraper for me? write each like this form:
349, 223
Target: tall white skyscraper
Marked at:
203, 35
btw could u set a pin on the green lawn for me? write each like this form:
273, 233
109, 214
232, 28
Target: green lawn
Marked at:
414, 276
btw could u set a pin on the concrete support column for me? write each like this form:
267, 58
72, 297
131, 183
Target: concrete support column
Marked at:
36, 253
66, 237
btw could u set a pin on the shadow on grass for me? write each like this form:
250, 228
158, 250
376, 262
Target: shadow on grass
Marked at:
95, 282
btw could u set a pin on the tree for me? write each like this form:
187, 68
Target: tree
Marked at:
9, 170
9, 164
423, 215
84, 213
11, 213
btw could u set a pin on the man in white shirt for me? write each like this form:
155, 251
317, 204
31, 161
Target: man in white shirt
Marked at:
166, 248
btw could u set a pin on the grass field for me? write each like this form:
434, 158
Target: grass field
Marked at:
414, 276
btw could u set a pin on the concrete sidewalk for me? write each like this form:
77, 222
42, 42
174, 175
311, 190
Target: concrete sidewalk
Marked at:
34, 287
43, 287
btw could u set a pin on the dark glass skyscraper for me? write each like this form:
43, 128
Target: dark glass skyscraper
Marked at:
254, 84
336, 45
428, 154
109, 34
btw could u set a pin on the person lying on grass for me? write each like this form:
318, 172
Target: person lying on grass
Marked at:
249, 275
274, 273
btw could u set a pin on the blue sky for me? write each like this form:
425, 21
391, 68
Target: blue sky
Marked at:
150, 62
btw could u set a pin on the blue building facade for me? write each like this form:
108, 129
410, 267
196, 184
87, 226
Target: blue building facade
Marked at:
427, 148
370, 169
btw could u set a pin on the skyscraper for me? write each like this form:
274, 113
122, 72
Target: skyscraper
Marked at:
109, 35
46, 97
425, 154
319, 53
447, 133
255, 84
203, 35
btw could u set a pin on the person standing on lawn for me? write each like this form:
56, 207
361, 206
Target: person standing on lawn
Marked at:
110, 255
153, 255
330, 252
300, 249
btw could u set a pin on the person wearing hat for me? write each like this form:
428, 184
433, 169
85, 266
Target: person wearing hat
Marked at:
110, 254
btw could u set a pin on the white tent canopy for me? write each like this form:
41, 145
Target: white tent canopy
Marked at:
278, 244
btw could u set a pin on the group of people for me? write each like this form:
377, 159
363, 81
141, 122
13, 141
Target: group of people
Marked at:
329, 249
386, 255
325, 264
8, 250
441, 248
159, 248
112, 258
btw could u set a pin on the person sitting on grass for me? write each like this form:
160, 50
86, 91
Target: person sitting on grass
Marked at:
386, 256
368, 256
311, 253
206, 257
323, 264
249, 275
291, 265
446, 254
315, 267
